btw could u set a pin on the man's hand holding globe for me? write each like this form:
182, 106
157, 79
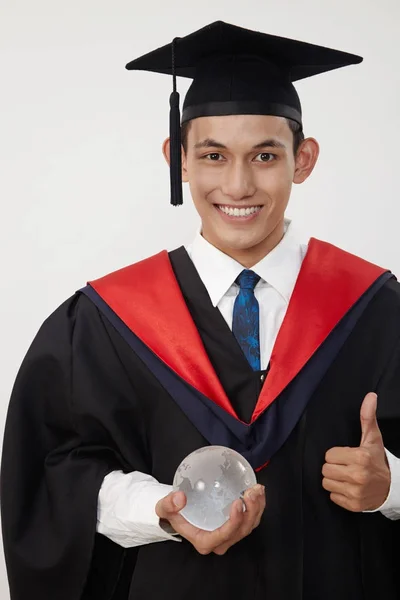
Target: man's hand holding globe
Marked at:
216, 500
240, 524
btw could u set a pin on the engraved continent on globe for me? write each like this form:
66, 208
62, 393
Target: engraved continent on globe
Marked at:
212, 478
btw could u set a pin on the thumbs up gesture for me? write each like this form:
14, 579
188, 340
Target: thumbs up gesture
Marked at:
359, 478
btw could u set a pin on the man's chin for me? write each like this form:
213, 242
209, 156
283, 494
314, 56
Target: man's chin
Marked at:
236, 243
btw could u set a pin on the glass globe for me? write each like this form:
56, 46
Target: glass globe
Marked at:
212, 478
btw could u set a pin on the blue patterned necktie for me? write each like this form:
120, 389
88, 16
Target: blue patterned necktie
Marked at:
246, 318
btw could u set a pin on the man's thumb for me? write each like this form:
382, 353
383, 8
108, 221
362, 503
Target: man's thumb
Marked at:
170, 505
370, 432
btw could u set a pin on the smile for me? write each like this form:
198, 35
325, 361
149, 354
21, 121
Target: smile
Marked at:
238, 212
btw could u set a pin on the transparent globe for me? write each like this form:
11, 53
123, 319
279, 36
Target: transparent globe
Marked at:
212, 479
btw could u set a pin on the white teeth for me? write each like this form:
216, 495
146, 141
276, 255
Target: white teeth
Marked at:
239, 212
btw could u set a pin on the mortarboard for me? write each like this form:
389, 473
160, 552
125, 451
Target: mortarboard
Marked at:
235, 71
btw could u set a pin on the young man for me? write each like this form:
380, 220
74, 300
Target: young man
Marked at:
246, 339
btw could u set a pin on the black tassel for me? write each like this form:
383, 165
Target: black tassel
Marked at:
175, 140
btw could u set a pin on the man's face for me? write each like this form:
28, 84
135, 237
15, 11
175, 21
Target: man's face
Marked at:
240, 170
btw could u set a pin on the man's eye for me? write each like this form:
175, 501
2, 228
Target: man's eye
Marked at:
265, 157
214, 156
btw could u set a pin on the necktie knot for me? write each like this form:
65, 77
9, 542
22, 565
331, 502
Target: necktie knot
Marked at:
247, 280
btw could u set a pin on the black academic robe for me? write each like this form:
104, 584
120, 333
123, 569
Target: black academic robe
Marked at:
92, 397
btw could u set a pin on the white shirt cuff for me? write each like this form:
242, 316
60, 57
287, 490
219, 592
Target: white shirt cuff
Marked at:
391, 507
126, 509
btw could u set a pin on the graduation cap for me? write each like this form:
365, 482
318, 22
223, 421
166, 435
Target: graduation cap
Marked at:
235, 71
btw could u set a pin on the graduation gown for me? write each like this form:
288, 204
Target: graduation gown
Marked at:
137, 370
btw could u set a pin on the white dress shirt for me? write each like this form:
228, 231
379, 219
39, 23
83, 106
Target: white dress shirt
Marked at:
126, 505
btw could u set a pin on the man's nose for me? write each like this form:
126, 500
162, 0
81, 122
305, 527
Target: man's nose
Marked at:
238, 181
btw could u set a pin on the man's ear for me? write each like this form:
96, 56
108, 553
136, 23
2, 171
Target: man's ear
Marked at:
166, 149
306, 159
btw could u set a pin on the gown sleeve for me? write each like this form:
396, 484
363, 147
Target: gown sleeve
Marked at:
388, 411
63, 435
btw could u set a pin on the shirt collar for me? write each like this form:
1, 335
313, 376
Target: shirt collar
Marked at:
280, 268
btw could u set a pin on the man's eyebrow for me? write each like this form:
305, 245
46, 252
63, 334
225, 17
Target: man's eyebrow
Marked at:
211, 143
271, 143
